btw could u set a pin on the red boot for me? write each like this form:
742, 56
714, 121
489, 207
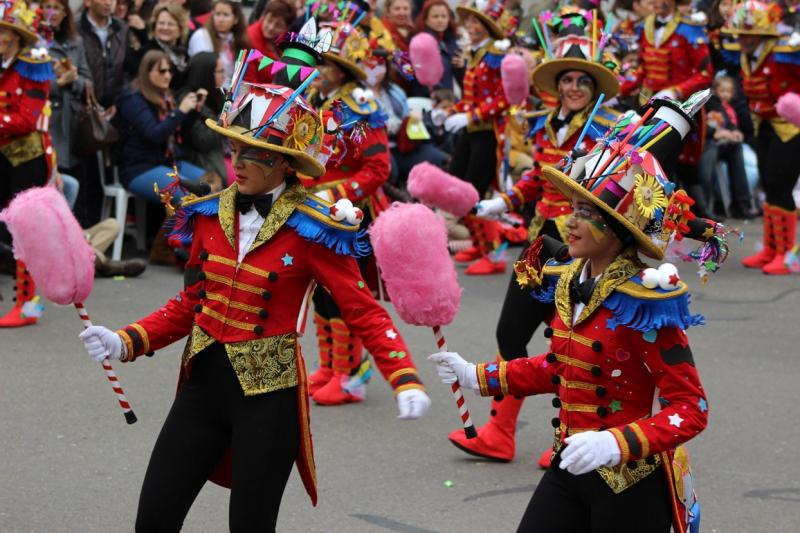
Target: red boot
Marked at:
486, 266
544, 459
26, 290
475, 251
487, 237
767, 253
467, 256
495, 440
785, 229
325, 341
346, 362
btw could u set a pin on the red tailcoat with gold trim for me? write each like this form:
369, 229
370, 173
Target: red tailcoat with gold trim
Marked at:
265, 295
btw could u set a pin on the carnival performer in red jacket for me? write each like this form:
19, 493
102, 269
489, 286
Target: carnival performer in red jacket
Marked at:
258, 249
617, 343
577, 81
770, 69
26, 155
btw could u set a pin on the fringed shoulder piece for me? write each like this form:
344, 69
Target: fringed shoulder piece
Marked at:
635, 306
495, 54
788, 50
313, 221
34, 64
693, 31
181, 225
731, 51
359, 107
551, 273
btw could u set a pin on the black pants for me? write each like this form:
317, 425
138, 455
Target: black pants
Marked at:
522, 313
475, 159
565, 503
778, 166
211, 414
14, 180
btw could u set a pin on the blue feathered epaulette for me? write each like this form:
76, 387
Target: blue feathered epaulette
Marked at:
34, 64
788, 50
731, 52
537, 123
349, 118
312, 221
494, 57
694, 32
551, 272
639, 308
181, 224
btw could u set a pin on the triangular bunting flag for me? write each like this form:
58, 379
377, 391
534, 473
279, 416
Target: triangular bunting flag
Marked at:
292, 71
277, 67
305, 72
254, 55
265, 62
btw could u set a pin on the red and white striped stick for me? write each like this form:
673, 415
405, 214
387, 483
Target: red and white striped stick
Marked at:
466, 419
130, 417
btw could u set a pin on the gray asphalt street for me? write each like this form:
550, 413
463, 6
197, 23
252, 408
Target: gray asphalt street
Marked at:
69, 462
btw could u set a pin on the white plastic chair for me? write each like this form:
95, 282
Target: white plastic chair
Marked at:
115, 193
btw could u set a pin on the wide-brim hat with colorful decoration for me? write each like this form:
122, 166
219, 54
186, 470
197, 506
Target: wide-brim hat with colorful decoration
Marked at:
17, 17
275, 118
626, 179
491, 13
573, 52
350, 47
754, 18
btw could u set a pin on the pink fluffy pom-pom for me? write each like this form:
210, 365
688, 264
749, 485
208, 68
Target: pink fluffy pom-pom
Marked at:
789, 107
515, 79
435, 187
424, 53
410, 244
50, 242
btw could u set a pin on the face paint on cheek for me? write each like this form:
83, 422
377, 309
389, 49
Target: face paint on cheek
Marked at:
586, 84
597, 229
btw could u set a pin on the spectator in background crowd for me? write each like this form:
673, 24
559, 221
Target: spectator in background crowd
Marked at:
169, 33
105, 39
150, 124
397, 20
68, 88
200, 145
278, 17
438, 19
225, 34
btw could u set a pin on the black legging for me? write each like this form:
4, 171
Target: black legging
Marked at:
209, 415
778, 166
566, 503
522, 313
474, 159
14, 180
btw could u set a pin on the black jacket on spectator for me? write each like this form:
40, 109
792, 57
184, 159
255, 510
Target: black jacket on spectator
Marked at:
67, 101
107, 66
146, 141
178, 59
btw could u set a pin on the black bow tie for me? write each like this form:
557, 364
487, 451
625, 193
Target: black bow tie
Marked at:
660, 24
581, 291
559, 123
262, 203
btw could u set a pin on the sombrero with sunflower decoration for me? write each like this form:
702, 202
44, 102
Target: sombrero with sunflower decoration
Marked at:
492, 14
624, 174
753, 17
16, 16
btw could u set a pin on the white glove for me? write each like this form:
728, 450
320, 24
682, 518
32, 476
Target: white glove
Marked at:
491, 208
412, 404
438, 116
456, 122
669, 93
452, 367
102, 343
588, 450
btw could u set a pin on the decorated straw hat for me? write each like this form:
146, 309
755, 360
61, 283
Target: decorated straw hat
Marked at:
574, 52
350, 47
624, 174
17, 17
275, 118
492, 13
754, 18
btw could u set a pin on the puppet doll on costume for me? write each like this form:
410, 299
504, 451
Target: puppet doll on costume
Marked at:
355, 172
577, 81
257, 250
26, 156
617, 341
770, 69
479, 118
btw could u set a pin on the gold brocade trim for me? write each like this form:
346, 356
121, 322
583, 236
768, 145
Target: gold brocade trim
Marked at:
622, 477
198, 341
579, 407
785, 131
243, 266
227, 321
622, 268
561, 226
669, 29
622, 442
536, 225
265, 365
143, 334
292, 197
576, 124
235, 284
234, 305
126, 339
503, 379
481, 371
227, 213
402, 372
574, 362
23, 149
642, 438
409, 386
582, 385
580, 339
769, 44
